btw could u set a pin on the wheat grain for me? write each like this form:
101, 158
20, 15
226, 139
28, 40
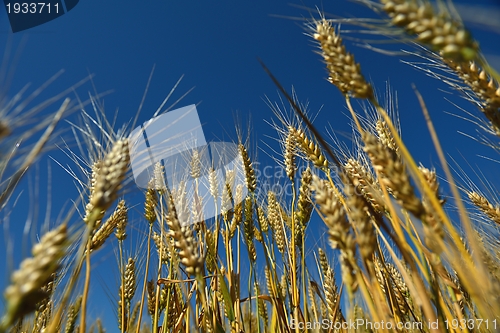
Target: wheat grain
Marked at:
263, 220
274, 217
195, 165
211, 262
331, 294
385, 136
438, 30
343, 70
72, 316
238, 211
122, 312
283, 286
333, 214
213, 185
360, 219
304, 206
133, 316
338, 229
393, 173
96, 166
161, 247
160, 184
122, 222
184, 241
402, 291
433, 228
25, 290
365, 182
118, 217
130, 280
484, 87
248, 229
44, 307
180, 198
251, 180
393, 286
289, 155
151, 286
310, 149
323, 261
110, 175
269, 282
150, 205
493, 212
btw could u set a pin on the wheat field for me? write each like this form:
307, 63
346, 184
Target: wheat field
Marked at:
404, 248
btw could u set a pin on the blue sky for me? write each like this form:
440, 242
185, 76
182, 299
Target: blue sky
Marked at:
215, 46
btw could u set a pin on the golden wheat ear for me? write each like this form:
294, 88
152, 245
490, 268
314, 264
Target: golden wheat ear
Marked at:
110, 175
332, 296
274, 217
438, 30
484, 87
394, 174
25, 290
184, 241
339, 230
115, 221
72, 316
344, 72
485, 206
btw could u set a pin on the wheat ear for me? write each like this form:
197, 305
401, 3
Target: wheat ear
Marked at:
184, 241
311, 150
274, 217
304, 207
110, 175
364, 181
393, 173
251, 180
339, 230
490, 210
344, 72
329, 286
485, 88
248, 228
289, 155
438, 30
74, 310
25, 290
118, 218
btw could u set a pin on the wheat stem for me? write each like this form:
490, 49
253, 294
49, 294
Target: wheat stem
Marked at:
148, 256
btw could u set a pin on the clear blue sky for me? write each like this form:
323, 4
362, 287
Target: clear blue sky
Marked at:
215, 46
